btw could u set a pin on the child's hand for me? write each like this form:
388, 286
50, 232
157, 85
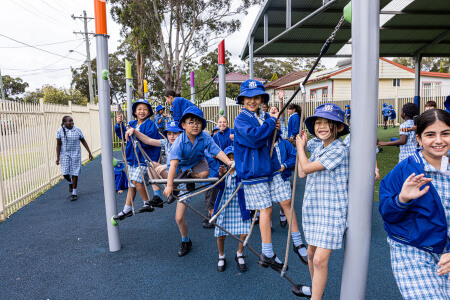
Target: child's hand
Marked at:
129, 133
281, 95
222, 170
168, 191
411, 188
377, 173
302, 140
405, 129
161, 168
282, 169
444, 264
232, 137
119, 118
379, 143
57, 161
230, 164
278, 125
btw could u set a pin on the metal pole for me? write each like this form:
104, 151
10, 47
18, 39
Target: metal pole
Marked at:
1, 86
288, 14
145, 89
101, 39
365, 60
192, 87
222, 82
88, 59
250, 57
129, 83
417, 62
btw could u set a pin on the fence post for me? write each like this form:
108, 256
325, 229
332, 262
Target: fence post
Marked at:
44, 127
90, 125
70, 107
2, 196
396, 105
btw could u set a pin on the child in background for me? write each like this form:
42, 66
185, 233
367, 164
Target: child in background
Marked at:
415, 207
265, 107
187, 160
392, 115
179, 104
430, 105
406, 141
120, 176
348, 112
160, 119
294, 121
385, 111
325, 201
68, 139
222, 138
235, 218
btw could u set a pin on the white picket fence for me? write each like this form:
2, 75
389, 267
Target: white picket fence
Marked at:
28, 148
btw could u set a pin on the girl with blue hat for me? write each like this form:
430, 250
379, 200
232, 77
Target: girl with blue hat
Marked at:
324, 212
386, 111
160, 118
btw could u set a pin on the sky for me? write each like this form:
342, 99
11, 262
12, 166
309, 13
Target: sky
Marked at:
48, 25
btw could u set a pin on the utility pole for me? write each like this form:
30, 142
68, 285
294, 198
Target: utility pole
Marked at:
88, 54
1, 86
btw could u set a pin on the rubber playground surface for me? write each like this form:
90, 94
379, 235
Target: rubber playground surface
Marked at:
57, 249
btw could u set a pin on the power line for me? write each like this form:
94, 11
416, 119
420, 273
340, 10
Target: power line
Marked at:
49, 16
16, 3
44, 72
55, 43
63, 13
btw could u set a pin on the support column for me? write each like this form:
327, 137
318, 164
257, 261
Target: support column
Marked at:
365, 72
222, 81
417, 63
250, 56
193, 87
129, 83
145, 89
266, 28
101, 40
288, 14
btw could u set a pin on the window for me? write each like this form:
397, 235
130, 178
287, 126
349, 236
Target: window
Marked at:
395, 82
313, 94
325, 94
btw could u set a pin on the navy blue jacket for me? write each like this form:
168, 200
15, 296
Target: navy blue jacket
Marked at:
179, 105
240, 195
293, 125
148, 128
420, 223
252, 148
222, 139
288, 155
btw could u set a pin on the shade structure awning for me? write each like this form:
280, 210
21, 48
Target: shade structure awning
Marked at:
407, 28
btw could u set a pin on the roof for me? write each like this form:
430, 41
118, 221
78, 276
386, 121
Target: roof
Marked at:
286, 79
422, 26
235, 77
215, 102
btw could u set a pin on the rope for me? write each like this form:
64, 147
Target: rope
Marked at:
206, 86
124, 156
213, 218
251, 228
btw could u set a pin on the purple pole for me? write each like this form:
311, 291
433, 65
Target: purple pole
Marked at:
192, 87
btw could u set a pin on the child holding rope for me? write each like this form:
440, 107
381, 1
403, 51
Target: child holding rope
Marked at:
68, 139
161, 118
415, 207
179, 104
223, 137
187, 160
234, 217
325, 201
294, 121
137, 167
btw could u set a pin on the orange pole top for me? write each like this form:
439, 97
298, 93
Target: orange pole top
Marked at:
100, 17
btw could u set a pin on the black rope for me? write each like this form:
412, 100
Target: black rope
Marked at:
205, 87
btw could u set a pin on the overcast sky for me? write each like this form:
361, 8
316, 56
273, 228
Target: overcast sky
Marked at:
42, 22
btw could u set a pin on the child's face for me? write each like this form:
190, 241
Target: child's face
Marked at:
192, 126
141, 111
231, 156
172, 136
169, 99
68, 123
273, 111
403, 115
222, 123
265, 107
161, 111
252, 104
322, 129
291, 111
435, 140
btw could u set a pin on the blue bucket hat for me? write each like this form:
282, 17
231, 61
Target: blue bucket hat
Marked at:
347, 105
228, 150
447, 104
251, 88
142, 101
327, 111
195, 111
390, 106
384, 104
172, 127
159, 107
215, 128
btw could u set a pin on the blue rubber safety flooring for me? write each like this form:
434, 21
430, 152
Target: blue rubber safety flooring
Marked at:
57, 249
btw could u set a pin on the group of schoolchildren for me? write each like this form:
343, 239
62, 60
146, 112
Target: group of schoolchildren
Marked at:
389, 115
414, 196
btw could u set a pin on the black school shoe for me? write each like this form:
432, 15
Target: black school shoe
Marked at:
266, 262
283, 223
73, 198
303, 259
298, 291
146, 208
190, 186
222, 268
156, 202
241, 267
207, 225
122, 215
185, 248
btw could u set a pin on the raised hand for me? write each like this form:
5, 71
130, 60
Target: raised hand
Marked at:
411, 187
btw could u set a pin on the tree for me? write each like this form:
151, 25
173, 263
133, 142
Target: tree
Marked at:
431, 64
13, 86
55, 95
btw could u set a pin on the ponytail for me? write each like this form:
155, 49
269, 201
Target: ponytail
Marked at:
295, 107
172, 93
64, 119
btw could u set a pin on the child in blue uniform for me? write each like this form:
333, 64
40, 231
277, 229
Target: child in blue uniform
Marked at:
68, 153
179, 104
235, 218
120, 177
415, 206
222, 137
407, 140
294, 121
386, 111
161, 118
392, 115
142, 111
348, 113
187, 160
325, 201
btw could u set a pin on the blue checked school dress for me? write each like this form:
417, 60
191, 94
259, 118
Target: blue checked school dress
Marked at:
231, 218
324, 212
410, 147
70, 155
415, 270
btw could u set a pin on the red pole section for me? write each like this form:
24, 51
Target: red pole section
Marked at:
222, 52
100, 17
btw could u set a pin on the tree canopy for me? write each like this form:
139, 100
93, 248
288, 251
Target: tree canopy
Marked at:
431, 64
13, 86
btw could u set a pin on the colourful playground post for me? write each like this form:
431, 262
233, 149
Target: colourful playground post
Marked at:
222, 83
129, 83
101, 40
192, 87
145, 89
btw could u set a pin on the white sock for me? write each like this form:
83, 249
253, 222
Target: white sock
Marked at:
240, 258
74, 191
306, 290
303, 252
127, 208
221, 262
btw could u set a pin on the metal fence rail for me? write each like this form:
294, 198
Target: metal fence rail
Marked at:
28, 148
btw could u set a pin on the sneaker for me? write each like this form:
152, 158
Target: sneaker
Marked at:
266, 262
241, 267
146, 208
70, 188
298, 291
73, 198
303, 259
185, 248
156, 202
122, 215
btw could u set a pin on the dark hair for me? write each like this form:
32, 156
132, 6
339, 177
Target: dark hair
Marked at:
333, 128
431, 104
429, 117
295, 107
193, 117
171, 93
64, 119
411, 110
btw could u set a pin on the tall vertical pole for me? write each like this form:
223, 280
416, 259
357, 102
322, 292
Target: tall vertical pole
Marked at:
417, 62
101, 40
1, 86
192, 87
288, 14
129, 83
222, 82
365, 60
88, 59
266, 28
145, 89
250, 53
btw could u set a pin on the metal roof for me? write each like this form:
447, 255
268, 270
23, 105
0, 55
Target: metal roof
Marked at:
422, 26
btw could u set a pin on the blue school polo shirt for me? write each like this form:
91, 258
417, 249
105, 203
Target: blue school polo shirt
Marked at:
179, 105
190, 154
